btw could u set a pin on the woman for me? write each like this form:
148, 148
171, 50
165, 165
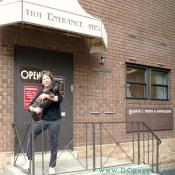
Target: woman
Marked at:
50, 120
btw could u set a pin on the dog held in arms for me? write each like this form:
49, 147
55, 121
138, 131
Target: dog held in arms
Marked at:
53, 90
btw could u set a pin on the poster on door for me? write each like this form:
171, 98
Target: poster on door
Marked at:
29, 93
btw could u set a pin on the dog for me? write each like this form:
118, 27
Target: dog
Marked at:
53, 90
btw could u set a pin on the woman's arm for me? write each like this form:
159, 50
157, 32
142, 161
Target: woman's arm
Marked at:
55, 98
44, 96
36, 110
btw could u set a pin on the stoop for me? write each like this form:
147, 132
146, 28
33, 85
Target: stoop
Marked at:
68, 164
11, 170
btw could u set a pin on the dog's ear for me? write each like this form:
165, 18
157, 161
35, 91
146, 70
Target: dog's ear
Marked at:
56, 88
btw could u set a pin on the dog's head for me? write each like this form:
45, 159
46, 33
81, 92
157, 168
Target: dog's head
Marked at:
56, 87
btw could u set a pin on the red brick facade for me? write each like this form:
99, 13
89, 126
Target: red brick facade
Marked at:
140, 32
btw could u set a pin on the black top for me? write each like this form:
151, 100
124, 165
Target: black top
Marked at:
52, 110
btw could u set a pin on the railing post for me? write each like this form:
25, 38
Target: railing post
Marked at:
138, 138
42, 132
152, 152
133, 146
32, 168
157, 158
86, 146
143, 130
148, 147
100, 145
93, 142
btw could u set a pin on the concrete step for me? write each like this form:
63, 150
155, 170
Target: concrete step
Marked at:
68, 164
122, 170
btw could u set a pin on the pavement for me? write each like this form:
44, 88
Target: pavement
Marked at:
68, 164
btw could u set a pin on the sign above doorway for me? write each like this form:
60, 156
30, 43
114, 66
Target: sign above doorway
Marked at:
65, 15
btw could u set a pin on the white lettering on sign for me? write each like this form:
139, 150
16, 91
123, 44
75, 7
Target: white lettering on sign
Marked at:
30, 75
29, 93
62, 20
149, 111
52, 17
94, 27
133, 111
33, 13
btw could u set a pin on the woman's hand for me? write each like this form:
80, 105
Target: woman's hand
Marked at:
37, 110
43, 96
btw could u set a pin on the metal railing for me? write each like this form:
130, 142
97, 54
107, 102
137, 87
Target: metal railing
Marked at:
103, 145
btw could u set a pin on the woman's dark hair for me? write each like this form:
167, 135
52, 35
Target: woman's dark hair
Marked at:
45, 72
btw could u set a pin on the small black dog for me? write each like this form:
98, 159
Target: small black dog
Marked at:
53, 90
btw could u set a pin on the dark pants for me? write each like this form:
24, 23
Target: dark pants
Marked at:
54, 129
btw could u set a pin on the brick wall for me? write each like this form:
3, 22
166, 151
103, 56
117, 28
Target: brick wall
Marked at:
139, 32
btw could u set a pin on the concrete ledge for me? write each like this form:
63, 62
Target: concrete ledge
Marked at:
68, 163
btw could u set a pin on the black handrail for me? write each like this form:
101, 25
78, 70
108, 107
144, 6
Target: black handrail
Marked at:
144, 129
159, 141
140, 142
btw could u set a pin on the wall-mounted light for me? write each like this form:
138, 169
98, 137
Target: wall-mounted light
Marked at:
132, 59
103, 59
160, 64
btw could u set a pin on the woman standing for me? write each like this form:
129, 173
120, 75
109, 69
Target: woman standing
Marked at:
50, 120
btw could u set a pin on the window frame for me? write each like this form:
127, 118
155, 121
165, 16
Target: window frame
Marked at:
148, 84
137, 83
159, 85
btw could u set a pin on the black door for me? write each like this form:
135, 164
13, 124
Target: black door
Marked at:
28, 62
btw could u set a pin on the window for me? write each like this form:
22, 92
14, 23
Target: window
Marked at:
159, 85
136, 84
146, 82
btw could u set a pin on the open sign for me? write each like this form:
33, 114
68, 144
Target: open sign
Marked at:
30, 75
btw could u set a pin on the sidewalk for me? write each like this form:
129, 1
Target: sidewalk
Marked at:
68, 164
